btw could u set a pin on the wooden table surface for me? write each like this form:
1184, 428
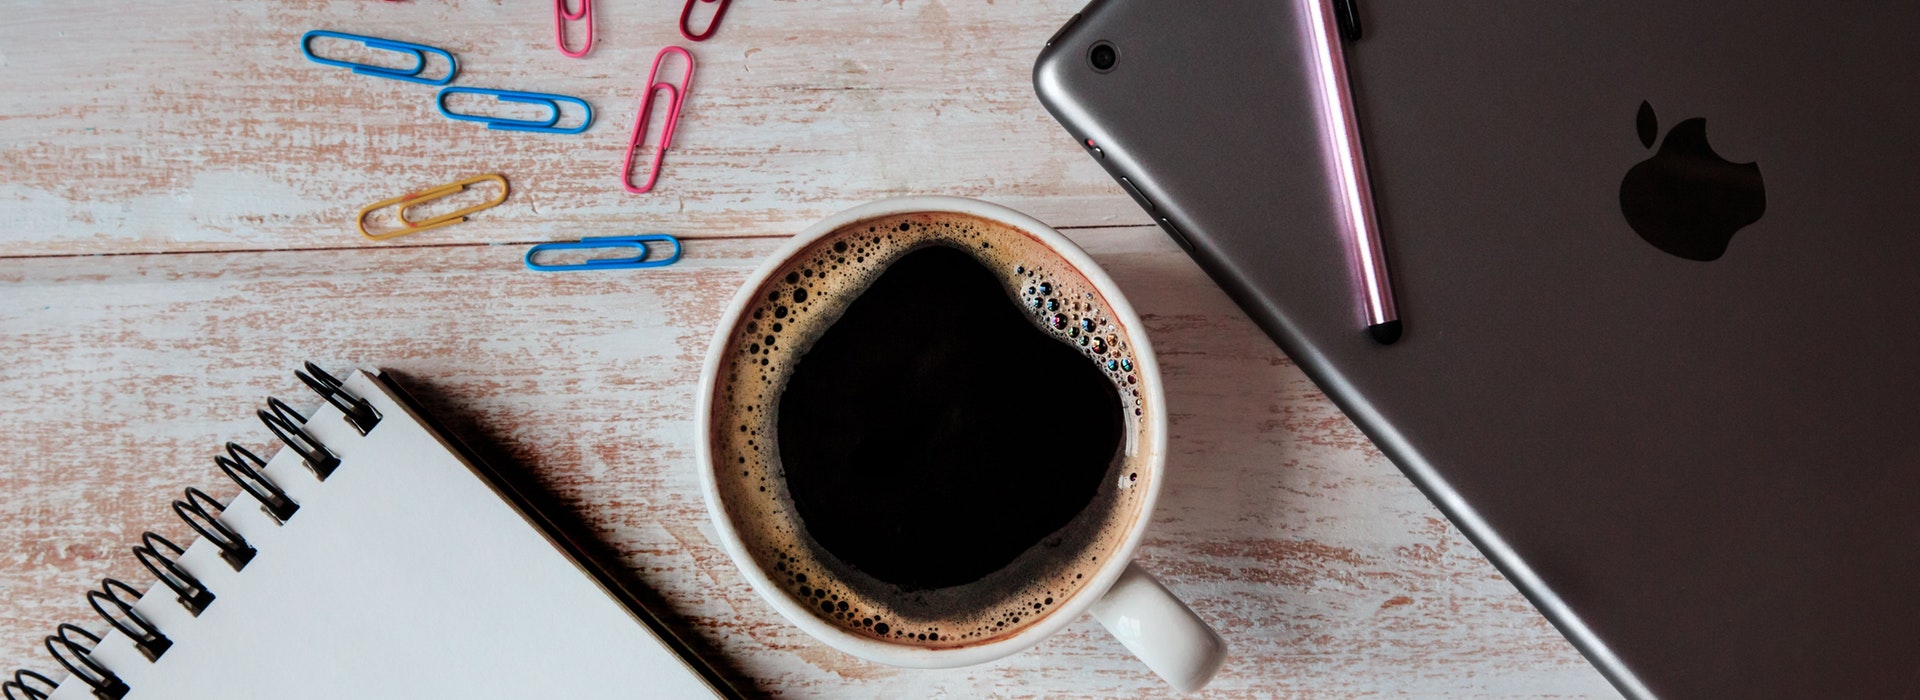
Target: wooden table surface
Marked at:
178, 188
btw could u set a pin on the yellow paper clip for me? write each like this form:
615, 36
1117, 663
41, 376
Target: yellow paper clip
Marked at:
410, 201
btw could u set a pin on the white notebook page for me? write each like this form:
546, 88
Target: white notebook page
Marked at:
403, 575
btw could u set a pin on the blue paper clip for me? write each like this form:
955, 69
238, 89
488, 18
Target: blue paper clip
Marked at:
629, 242
411, 75
546, 126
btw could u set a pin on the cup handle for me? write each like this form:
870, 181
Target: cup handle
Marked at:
1161, 630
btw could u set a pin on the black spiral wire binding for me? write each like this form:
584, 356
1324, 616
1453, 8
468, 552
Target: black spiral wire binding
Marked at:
359, 413
72, 646
193, 595
106, 686
26, 681
243, 467
285, 424
146, 637
233, 547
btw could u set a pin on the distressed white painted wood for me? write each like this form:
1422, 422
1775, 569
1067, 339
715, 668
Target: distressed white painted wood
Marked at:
197, 125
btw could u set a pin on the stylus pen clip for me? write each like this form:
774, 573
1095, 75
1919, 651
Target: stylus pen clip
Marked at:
1356, 193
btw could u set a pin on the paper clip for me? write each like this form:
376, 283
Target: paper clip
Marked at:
636, 262
677, 98
411, 75
686, 13
546, 126
560, 19
410, 201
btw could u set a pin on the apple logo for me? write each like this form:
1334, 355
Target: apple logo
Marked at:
1686, 199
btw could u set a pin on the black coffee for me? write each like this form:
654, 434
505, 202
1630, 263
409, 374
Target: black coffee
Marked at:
933, 433
927, 429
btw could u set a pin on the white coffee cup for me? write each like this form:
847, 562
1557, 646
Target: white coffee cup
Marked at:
1134, 606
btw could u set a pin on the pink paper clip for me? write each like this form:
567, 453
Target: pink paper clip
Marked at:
560, 19
686, 13
677, 98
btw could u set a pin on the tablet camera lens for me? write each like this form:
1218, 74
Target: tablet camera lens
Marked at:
1103, 56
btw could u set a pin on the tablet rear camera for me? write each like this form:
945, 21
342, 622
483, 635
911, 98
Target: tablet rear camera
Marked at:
1102, 56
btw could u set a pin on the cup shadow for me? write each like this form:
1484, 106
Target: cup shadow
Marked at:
1280, 523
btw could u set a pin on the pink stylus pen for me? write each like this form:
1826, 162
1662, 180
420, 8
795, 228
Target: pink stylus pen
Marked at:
1376, 291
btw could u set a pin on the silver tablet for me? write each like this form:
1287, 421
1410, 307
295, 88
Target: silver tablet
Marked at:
1656, 263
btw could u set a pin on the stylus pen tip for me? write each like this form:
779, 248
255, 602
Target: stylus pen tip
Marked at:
1385, 333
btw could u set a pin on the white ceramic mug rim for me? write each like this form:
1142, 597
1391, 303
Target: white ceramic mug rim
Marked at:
1070, 609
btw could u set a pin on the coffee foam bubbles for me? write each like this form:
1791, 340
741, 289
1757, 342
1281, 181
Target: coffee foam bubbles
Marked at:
797, 304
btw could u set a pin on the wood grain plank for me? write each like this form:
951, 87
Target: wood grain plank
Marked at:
1324, 568
197, 125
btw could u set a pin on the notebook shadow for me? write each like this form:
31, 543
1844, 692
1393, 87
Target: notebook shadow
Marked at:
669, 620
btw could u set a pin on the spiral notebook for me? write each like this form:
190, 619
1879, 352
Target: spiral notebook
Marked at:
374, 557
